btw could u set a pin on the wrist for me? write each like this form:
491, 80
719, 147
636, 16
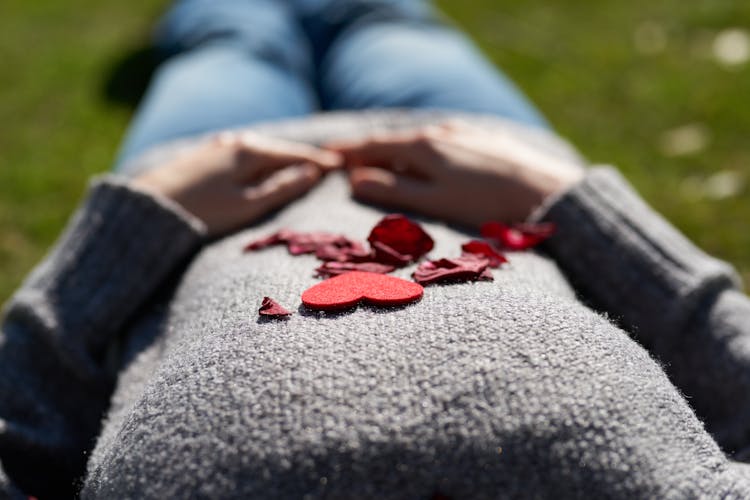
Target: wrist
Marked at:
553, 183
551, 189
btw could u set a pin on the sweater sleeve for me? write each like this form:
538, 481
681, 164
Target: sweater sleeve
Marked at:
56, 330
683, 305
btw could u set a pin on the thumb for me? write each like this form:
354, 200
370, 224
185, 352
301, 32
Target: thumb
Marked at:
281, 187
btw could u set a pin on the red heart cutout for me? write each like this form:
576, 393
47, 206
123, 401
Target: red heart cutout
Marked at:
346, 290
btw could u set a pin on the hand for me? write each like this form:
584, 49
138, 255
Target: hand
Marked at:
236, 178
455, 172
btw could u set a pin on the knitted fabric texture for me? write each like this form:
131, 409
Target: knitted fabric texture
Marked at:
511, 388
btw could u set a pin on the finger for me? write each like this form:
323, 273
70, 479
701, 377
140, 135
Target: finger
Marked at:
402, 152
379, 145
281, 187
277, 153
383, 187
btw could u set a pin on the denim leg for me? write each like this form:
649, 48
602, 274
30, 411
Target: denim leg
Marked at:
397, 54
229, 63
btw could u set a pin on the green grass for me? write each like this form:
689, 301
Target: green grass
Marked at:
576, 59
56, 129
579, 62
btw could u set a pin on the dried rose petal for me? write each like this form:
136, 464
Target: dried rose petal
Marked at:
326, 246
402, 236
465, 268
281, 237
330, 269
357, 253
486, 275
273, 309
518, 236
386, 255
261, 243
483, 248
303, 243
541, 229
343, 251
471, 261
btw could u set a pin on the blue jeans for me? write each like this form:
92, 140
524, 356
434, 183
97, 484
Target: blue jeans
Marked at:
232, 63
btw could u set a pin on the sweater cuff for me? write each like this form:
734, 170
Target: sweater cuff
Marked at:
625, 259
117, 248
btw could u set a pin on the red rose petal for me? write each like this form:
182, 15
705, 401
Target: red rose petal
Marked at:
330, 269
261, 243
347, 290
485, 249
273, 309
518, 236
541, 229
329, 252
303, 243
326, 246
402, 236
486, 275
344, 251
357, 255
386, 255
465, 268
284, 236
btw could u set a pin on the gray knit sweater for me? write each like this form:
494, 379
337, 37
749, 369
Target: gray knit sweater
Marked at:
133, 363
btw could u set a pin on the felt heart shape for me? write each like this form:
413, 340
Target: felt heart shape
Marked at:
347, 290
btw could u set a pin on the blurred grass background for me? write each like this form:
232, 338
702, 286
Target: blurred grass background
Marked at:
658, 88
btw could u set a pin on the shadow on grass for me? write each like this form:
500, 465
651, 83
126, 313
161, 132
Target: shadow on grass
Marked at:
127, 79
